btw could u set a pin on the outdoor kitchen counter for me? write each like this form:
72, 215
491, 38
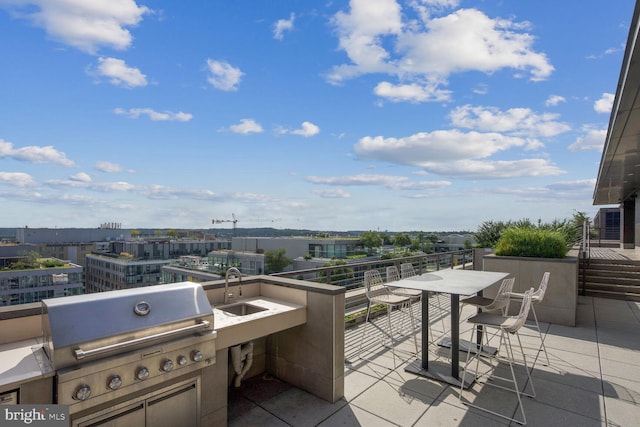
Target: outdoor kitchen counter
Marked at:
21, 362
278, 315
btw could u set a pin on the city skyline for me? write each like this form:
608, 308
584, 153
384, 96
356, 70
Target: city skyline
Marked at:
343, 115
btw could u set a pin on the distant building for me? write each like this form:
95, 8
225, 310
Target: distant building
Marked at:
132, 264
111, 272
299, 246
454, 242
27, 285
71, 244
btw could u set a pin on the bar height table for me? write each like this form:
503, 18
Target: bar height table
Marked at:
455, 282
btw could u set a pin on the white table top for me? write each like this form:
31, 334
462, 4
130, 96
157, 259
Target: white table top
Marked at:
451, 281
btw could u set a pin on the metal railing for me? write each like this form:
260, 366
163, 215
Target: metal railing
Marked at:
351, 274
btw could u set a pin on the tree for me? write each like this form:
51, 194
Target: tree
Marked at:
275, 261
370, 240
135, 233
401, 240
172, 233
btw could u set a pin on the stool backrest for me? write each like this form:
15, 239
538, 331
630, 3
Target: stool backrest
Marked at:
392, 273
521, 318
373, 283
539, 293
407, 270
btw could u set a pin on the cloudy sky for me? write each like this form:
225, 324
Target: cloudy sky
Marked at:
391, 115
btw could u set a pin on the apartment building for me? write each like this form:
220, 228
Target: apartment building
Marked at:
21, 283
108, 272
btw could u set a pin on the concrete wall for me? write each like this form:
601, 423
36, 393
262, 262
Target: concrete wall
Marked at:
561, 299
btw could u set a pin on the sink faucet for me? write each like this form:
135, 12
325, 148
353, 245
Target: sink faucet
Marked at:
236, 272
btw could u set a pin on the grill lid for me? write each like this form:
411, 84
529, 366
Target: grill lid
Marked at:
125, 316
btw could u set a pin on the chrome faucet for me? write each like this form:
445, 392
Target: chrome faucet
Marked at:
237, 273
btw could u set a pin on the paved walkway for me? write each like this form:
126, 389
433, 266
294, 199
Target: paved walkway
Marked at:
593, 380
615, 254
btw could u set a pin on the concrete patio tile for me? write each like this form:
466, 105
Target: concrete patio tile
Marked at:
355, 383
256, 416
388, 401
621, 389
620, 354
578, 339
575, 359
450, 412
299, 408
539, 414
567, 398
569, 375
627, 371
621, 413
351, 415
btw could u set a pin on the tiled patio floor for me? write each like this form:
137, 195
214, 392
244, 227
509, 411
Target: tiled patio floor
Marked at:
593, 380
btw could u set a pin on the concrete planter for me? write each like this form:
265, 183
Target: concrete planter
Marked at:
561, 299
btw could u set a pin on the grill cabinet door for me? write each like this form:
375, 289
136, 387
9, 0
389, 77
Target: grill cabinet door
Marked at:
176, 408
128, 417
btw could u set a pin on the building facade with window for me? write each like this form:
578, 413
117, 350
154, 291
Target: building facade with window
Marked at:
27, 285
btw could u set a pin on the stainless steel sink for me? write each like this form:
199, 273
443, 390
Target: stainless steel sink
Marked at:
241, 309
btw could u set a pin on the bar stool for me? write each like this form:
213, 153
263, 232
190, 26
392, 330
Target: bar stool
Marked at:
505, 326
378, 294
536, 298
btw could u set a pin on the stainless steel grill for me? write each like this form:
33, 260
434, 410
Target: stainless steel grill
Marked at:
117, 345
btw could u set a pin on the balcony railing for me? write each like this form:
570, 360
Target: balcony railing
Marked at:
351, 275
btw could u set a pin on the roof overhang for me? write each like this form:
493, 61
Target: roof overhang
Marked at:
619, 173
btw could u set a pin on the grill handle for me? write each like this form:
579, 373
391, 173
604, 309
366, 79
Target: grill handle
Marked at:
81, 354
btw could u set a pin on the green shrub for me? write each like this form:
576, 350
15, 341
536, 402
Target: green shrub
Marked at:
527, 242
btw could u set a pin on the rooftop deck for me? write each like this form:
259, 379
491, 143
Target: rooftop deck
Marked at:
593, 380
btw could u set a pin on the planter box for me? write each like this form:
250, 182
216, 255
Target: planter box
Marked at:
561, 299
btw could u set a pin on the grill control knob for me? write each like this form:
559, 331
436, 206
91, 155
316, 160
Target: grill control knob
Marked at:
82, 392
196, 355
166, 365
114, 382
182, 360
142, 373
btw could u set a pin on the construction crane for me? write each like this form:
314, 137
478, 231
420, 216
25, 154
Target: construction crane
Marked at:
234, 221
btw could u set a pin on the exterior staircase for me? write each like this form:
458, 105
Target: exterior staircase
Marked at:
610, 278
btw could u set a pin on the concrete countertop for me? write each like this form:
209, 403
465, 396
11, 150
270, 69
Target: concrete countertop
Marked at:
23, 361
279, 315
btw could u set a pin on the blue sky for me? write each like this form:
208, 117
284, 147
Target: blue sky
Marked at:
391, 115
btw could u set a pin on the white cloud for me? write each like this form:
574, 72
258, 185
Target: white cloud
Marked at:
337, 193
17, 179
283, 25
455, 153
489, 169
246, 126
516, 121
389, 181
308, 129
441, 146
34, 154
119, 73
591, 140
81, 177
108, 167
378, 37
554, 100
413, 92
85, 25
573, 190
134, 113
604, 104
223, 75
